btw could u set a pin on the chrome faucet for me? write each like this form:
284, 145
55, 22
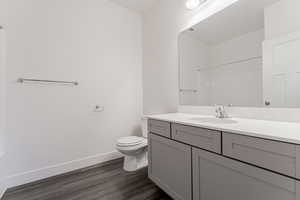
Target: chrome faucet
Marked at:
221, 112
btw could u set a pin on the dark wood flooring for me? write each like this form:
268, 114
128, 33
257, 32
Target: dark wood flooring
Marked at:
106, 181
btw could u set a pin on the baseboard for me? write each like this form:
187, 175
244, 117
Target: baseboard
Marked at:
46, 172
3, 188
2, 191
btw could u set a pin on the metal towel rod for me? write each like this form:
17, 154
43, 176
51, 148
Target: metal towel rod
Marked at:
188, 90
230, 63
23, 80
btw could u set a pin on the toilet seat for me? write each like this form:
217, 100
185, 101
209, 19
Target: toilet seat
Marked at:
134, 149
130, 141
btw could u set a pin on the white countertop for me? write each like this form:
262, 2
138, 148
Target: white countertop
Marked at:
274, 130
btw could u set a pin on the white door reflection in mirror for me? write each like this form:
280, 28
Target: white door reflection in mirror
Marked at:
282, 71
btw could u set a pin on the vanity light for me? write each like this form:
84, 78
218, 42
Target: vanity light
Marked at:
192, 4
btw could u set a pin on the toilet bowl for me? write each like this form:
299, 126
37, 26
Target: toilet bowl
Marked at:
134, 150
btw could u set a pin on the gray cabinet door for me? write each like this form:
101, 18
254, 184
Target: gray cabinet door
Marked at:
276, 156
203, 138
159, 127
218, 178
170, 166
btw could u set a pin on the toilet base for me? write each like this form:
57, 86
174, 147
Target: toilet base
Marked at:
134, 163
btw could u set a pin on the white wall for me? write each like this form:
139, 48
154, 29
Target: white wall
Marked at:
193, 54
2, 104
52, 128
234, 65
238, 83
243, 47
282, 18
162, 25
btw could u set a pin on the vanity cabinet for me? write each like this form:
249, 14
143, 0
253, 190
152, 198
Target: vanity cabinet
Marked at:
200, 164
219, 178
170, 166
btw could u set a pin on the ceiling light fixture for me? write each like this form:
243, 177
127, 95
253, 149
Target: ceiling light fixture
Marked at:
192, 4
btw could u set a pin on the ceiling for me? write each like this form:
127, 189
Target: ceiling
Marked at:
240, 18
138, 5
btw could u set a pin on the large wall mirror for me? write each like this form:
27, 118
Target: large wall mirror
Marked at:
231, 59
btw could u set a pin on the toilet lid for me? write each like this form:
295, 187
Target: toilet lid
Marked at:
130, 141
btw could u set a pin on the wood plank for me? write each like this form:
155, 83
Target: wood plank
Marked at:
105, 181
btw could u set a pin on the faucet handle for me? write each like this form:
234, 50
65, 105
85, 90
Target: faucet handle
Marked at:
221, 111
218, 111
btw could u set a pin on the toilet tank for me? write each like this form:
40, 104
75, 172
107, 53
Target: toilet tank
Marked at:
144, 127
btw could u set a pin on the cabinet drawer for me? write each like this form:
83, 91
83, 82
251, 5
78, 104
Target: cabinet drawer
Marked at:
199, 137
276, 156
159, 127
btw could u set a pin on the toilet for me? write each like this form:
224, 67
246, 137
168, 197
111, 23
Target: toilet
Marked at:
134, 149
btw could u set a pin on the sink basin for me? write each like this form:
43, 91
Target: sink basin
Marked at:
214, 120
